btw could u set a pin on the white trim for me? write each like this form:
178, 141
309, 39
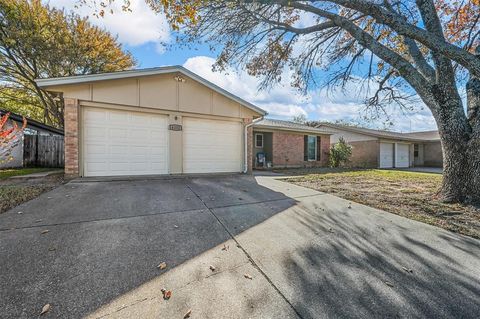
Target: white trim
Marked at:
256, 146
316, 148
44, 83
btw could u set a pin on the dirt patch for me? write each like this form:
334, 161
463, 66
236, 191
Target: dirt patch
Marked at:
412, 195
13, 192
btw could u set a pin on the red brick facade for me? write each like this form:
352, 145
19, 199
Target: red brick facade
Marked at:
71, 137
288, 149
365, 154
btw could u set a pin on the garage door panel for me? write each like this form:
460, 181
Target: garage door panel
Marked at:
126, 143
386, 155
402, 158
212, 146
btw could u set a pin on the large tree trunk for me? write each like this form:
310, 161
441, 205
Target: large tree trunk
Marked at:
461, 169
460, 135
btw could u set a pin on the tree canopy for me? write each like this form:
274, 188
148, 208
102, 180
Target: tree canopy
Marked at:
37, 41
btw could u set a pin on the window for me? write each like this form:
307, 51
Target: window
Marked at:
415, 150
259, 140
312, 148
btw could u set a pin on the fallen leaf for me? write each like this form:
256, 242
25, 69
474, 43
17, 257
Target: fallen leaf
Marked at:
248, 276
163, 290
331, 230
20, 213
187, 315
38, 220
225, 247
212, 268
52, 248
175, 226
44, 231
388, 283
166, 294
45, 309
407, 269
162, 265
349, 205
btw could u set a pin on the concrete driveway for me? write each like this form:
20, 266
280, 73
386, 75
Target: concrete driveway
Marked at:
279, 251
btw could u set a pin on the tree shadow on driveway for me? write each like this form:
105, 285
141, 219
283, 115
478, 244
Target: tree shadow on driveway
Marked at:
105, 239
381, 266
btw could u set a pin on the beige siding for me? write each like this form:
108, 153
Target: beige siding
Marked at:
348, 136
161, 92
158, 91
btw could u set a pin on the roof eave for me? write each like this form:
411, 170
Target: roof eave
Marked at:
272, 127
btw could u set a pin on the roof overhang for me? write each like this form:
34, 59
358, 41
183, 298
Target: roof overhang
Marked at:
380, 136
83, 79
289, 129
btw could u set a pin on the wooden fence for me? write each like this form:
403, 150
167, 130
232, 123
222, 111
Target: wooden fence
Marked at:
43, 151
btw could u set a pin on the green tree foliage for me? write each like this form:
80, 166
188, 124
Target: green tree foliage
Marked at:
340, 153
37, 41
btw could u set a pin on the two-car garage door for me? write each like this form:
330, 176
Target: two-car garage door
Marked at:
119, 142
394, 155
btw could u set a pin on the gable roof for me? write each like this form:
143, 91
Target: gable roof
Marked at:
413, 137
78, 79
289, 126
31, 123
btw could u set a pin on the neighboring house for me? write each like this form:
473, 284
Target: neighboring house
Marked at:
165, 120
289, 144
384, 149
33, 128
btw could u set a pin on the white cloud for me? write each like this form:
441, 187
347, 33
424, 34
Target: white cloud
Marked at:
283, 101
141, 26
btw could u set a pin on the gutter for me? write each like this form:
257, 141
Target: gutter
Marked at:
245, 142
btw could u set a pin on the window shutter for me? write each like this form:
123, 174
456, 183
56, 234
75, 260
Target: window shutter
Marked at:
305, 148
319, 148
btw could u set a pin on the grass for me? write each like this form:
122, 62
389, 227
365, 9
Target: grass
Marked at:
9, 172
409, 194
13, 192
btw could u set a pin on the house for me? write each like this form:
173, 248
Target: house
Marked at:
288, 144
21, 152
165, 120
384, 149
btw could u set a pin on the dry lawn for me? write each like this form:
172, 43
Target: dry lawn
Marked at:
13, 192
408, 194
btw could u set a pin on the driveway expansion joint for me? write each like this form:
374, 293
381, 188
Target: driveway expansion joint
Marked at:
254, 264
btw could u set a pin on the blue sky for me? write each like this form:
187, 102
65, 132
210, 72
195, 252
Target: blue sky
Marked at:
142, 32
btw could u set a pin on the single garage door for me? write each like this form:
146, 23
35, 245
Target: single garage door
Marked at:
386, 155
211, 146
117, 142
402, 155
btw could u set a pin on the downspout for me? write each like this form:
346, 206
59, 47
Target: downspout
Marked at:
245, 142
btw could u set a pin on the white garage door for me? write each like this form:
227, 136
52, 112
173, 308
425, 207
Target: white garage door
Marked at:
386, 155
211, 146
119, 142
402, 155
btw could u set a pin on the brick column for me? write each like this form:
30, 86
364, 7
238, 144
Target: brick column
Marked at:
71, 137
247, 121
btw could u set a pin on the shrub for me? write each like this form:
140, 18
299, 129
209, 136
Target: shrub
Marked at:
340, 153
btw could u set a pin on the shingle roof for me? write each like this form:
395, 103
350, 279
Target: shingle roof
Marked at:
416, 136
32, 123
289, 126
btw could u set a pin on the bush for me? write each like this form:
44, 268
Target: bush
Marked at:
340, 153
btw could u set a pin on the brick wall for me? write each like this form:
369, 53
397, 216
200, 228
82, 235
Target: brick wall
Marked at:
288, 150
432, 154
249, 145
71, 137
364, 154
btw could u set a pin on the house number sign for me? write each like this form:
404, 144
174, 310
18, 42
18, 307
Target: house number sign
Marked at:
175, 127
